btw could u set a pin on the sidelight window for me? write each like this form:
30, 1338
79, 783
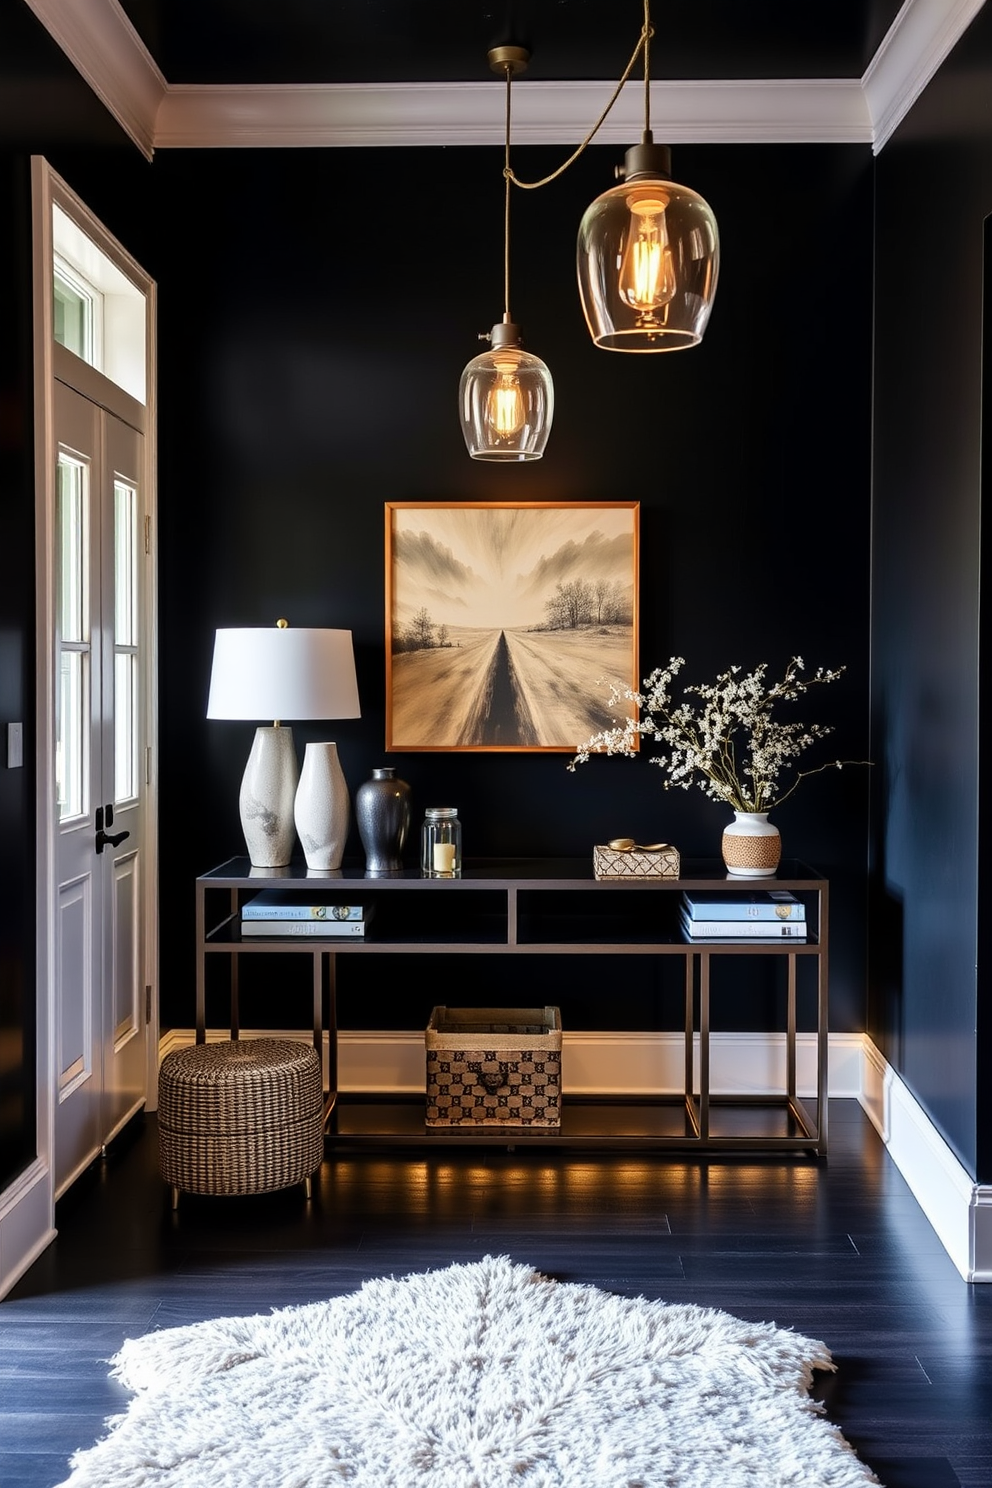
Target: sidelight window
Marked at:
125, 641
72, 637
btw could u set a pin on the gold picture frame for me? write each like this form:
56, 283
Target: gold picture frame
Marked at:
507, 622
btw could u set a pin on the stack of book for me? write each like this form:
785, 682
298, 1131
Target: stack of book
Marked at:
760, 914
273, 914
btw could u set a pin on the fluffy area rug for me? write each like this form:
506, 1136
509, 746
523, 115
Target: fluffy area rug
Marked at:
486, 1375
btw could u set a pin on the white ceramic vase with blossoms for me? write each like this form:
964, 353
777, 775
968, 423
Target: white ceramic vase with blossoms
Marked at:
726, 737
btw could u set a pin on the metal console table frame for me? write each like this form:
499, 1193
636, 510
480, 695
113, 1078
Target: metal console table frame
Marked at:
518, 929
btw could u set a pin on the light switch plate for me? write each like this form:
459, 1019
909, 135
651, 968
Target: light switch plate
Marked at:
15, 746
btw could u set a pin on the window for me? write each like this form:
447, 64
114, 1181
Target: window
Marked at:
99, 313
77, 313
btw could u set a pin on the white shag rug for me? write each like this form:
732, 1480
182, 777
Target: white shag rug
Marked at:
487, 1375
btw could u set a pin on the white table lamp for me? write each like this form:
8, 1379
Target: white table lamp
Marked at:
280, 673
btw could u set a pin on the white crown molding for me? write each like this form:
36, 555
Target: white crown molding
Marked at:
102, 44
105, 49
919, 39
354, 115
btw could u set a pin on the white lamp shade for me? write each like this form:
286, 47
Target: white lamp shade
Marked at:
266, 672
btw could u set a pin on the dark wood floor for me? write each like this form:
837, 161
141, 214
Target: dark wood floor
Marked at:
837, 1249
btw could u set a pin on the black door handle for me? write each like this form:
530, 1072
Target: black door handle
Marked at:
111, 839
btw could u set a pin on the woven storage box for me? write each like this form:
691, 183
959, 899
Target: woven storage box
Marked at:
244, 1117
494, 1067
610, 862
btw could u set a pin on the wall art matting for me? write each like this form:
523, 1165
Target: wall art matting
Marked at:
507, 622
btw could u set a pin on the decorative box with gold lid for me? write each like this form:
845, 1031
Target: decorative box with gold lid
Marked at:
624, 858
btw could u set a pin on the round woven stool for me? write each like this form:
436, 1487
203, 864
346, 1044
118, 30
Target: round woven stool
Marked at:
244, 1117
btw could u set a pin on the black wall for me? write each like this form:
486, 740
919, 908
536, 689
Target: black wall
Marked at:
929, 1004
316, 309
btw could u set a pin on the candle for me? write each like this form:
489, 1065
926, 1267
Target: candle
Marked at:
444, 857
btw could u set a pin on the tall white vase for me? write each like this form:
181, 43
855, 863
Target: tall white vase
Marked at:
323, 807
268, 789
751, 845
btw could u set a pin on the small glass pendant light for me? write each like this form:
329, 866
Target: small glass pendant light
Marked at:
507, 400
648, 252
506, 396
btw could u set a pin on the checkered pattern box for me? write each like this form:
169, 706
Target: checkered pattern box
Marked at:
494, 1067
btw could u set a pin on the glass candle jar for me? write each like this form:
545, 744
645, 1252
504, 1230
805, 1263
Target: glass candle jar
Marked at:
441, 843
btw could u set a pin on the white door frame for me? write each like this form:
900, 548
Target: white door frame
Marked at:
27, 1207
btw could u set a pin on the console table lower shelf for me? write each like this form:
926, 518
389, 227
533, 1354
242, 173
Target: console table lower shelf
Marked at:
588, 1123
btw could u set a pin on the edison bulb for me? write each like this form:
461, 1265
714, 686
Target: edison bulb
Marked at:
505, 411
647, 270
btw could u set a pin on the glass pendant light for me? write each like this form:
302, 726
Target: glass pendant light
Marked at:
648, 251
506, 396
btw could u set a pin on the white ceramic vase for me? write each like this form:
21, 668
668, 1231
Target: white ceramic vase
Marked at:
751, 845
323, 807
268, 788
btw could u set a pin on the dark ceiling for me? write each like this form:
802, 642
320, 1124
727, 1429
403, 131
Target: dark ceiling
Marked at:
394, 41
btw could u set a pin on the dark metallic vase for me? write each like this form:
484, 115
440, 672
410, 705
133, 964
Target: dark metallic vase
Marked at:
382, 814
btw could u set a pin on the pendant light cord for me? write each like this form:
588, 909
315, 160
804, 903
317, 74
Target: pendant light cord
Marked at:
646, 35
507, 177
643, 45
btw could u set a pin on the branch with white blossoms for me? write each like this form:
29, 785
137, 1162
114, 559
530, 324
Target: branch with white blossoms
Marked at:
729, 743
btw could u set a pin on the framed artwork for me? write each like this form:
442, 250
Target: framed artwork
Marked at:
506, 622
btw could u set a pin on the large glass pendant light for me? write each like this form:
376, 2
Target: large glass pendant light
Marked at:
648, 251
506, 396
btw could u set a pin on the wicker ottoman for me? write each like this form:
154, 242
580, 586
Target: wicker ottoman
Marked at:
244, 1117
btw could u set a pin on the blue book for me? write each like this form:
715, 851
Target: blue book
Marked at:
306, 929
270, 904
700, 930
754, 904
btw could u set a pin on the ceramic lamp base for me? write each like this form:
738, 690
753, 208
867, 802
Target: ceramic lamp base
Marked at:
268, 789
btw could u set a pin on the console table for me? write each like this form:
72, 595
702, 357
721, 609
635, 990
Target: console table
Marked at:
542, 907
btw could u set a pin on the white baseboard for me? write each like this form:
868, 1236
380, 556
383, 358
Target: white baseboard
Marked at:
604, 1063
959, 1209
597, 1063
25, 1223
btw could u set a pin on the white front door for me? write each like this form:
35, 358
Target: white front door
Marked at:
100, 666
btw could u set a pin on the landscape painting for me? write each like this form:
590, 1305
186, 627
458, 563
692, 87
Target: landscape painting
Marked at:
506, 623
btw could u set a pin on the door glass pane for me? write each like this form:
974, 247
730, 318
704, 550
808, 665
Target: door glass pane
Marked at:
125, 677
71, 637
69, 735
71, 494
125, 564
125, 642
